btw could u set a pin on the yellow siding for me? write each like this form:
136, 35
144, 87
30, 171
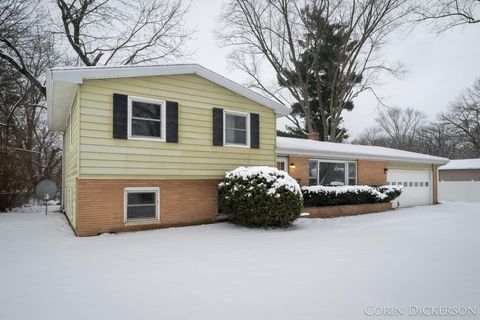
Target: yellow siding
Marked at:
194, 156
408, 166
71, 160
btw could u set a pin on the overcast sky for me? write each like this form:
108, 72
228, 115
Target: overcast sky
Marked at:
438, 67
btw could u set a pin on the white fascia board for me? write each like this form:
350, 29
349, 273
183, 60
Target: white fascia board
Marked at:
356, 156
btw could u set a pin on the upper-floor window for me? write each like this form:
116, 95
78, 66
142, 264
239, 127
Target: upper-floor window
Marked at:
146, 118
332, 173
236, 128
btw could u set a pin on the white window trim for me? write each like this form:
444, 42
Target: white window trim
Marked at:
346, 162
356, 171
238, 113
162, 103
128, 190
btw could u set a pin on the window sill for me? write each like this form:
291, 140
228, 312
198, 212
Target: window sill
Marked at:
236, 145
145, 138
141, 222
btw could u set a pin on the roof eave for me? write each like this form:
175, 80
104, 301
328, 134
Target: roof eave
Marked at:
78, 75
354, 156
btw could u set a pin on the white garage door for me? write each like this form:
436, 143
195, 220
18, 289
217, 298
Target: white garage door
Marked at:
417, 186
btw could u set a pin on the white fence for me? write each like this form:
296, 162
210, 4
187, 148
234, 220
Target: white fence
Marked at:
464, 191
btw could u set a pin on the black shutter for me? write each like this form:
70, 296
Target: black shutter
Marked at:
217, 127
120, 116
254, 130
172, 121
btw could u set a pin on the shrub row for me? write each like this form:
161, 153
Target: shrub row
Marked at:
320, 196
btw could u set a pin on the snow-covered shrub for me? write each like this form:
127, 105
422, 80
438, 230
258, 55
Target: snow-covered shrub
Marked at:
392, 192
319, 196
260, 197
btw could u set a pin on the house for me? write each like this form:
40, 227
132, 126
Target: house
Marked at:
314, 162
146, 146
460, 181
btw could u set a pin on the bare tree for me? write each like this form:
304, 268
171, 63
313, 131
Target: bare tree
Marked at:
446, 14
276, 32
464, 116
24, 40
401, 126
372, 136
90, 32
439, 139
123, 32
395, 128
28, 151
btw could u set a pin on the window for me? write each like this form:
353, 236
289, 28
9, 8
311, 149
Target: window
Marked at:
352, 173
146, 119
282, 164
141, 204
332, 173
236, 128
312, 172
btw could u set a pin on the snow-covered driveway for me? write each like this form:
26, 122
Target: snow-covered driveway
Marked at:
321, 269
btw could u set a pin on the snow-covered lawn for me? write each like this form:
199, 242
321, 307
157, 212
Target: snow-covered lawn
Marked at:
320, 269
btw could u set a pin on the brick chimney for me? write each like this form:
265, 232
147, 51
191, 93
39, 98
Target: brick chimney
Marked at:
313, 136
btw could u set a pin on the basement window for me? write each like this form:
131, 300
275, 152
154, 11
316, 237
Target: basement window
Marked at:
142, 204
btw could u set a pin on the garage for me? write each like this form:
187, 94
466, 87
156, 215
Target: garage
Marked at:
417, 186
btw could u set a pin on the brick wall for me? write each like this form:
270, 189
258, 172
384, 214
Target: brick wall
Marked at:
300, 172
460, 175
371, 172
346, 210
100, 204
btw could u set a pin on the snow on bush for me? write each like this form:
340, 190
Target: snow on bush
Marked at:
260, 197
319, 196
392, 192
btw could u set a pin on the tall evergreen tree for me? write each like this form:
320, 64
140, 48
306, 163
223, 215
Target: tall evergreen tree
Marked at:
326, 50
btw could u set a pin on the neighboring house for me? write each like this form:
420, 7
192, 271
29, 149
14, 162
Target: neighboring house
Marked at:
460, 181
314, 162
146, 146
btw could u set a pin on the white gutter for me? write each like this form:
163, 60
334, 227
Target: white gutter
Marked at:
361, 156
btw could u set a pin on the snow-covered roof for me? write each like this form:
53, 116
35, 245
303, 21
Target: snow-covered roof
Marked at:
346, 151
464, 164
62, 85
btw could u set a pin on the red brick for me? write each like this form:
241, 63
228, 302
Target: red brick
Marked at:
100, 204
